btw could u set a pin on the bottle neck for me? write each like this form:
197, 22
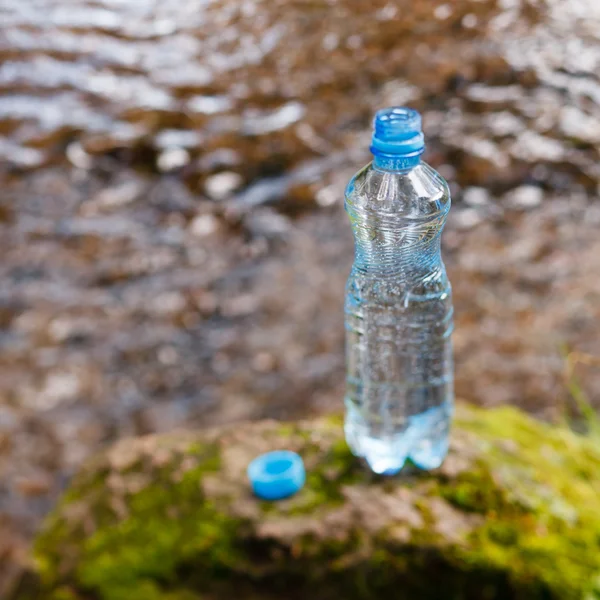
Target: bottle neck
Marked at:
394, 162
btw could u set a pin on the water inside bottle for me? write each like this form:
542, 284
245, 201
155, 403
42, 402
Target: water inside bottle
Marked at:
398, 310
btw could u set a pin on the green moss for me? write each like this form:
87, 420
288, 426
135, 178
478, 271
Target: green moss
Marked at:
474, 492
168, 524
513, 514
336, 467
542, 489
332, 468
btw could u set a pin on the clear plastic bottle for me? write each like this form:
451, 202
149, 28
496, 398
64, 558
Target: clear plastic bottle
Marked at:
398, 310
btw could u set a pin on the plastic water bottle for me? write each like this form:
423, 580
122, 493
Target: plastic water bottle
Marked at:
398, 310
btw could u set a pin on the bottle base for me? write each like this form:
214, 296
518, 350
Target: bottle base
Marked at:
424, 440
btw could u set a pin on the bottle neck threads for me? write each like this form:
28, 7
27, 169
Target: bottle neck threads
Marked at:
397, 141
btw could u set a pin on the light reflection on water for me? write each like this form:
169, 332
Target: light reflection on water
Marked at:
115, 74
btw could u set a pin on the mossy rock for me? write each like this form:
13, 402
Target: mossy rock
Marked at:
514, 513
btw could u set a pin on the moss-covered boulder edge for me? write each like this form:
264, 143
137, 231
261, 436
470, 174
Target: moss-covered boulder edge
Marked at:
513, 513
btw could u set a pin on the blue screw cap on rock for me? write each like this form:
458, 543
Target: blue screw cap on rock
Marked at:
276, 475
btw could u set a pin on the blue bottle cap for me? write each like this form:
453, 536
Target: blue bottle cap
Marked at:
397, 131
276, 475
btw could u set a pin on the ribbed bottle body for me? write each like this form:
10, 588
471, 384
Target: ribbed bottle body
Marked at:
398, 318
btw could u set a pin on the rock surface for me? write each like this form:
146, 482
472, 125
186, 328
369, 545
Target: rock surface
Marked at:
511, 514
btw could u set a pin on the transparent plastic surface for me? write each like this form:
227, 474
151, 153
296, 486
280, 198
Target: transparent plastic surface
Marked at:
398, 316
